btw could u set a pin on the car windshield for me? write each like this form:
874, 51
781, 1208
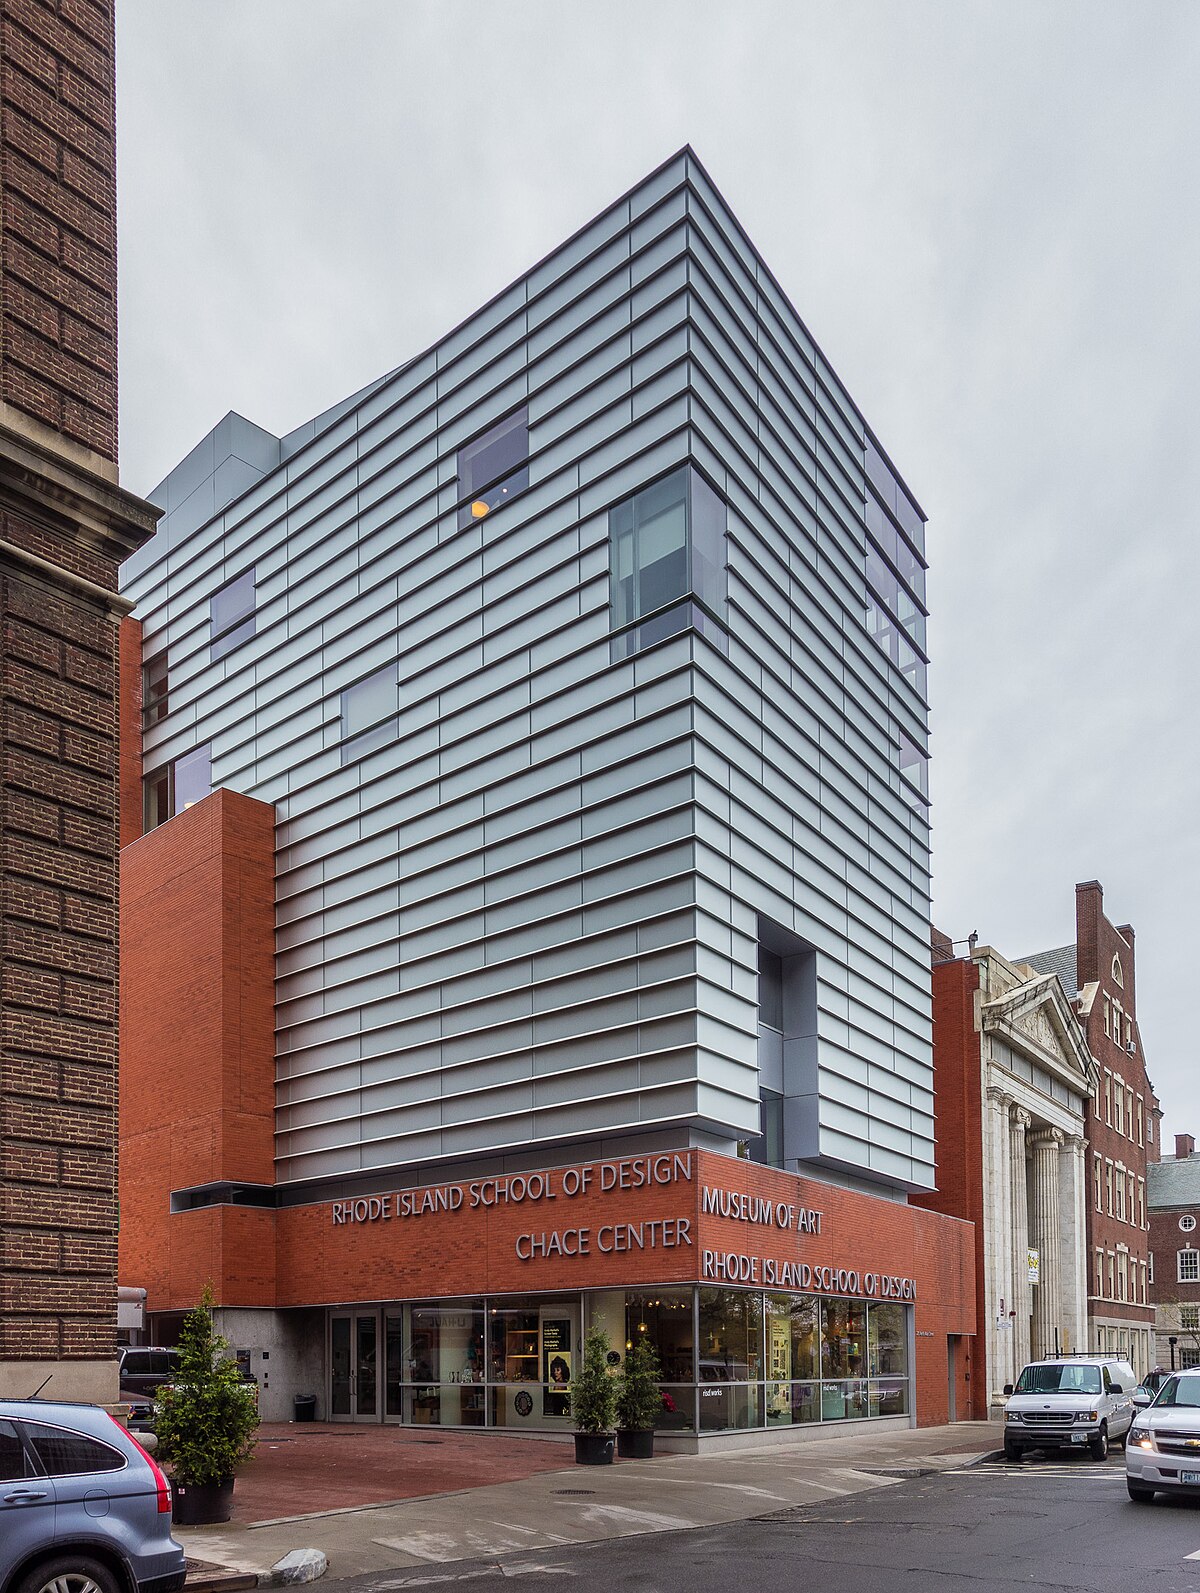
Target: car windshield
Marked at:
1061, 1378
1179, 1391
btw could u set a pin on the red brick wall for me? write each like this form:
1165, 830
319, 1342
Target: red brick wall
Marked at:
58, 1074
58, 274
958, 1131
130, 732
198, 1046
1098, 941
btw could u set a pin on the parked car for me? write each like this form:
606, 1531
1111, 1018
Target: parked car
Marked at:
81, 1505
145, 1367
1068, 1402
1163, 1452
1149, 1387
141, 1410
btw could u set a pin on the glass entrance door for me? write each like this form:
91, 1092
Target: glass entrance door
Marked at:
353, 1362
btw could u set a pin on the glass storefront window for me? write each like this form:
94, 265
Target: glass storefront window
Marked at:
887, 1341
664, 1316
534, 1346
730, 1359
442, 1368
843, 1338
730, 1336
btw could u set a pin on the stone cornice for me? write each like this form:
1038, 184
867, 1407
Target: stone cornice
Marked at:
71, 500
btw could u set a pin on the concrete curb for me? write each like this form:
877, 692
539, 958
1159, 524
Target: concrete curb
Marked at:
295, 1568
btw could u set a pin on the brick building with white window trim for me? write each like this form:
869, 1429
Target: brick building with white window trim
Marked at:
1173, 1193
1122, 1126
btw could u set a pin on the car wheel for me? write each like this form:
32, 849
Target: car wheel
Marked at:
1012, 1451
1098, 1447
1140, 1495
69, 1573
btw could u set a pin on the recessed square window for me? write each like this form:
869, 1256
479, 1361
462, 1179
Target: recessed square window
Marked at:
493, 468
231, 615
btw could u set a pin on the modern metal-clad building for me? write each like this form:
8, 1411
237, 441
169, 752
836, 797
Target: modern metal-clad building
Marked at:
580, 662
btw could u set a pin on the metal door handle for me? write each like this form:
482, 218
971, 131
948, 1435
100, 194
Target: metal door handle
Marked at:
25, 1495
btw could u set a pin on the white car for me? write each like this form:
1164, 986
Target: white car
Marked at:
1162, 1454
1069, 1402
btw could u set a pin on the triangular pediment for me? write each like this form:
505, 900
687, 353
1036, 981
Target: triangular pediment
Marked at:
1036, 1018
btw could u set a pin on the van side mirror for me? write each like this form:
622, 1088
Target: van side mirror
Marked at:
1008, 1388
1116, 1388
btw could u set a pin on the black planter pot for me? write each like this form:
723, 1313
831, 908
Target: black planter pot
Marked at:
201, 1504
635, 1443
594, 1449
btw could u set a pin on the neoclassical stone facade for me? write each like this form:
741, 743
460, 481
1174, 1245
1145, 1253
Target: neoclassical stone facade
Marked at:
1013, 1075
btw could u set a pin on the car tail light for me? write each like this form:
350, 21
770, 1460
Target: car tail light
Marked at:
161, 1484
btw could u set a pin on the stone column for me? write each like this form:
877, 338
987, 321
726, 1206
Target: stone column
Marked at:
1044, 1227
1018, 1123
1073, 1196
997, 1243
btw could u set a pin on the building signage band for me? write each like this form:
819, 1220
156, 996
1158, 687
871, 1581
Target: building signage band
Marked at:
661, 1233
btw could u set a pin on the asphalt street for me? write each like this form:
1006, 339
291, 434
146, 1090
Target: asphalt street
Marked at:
1040, 1524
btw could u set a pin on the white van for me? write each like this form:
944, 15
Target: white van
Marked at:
1067, 1402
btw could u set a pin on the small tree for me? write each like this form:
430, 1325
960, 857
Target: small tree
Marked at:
639, 1400
594, 1390
206, 1418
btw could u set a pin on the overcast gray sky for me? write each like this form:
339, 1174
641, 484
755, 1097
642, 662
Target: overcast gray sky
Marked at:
985, 212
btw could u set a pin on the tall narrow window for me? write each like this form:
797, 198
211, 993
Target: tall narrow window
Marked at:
1097, 1182
231, 615
1189, 1266
175, 786
914, 766
369, 713
493, 468
155, 701
666, 543
193, 778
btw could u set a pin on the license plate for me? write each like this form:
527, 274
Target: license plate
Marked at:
1192, 1477
1079, 1438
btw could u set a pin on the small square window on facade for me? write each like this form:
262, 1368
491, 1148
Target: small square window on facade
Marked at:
173, 787
493, 468
369, 710
667, 544
231, 615
155, 701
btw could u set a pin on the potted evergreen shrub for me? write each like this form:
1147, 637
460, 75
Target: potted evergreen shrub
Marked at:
639, 1401
205, 1421
593, 1403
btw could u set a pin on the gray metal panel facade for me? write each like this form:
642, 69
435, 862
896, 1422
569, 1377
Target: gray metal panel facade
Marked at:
533, 916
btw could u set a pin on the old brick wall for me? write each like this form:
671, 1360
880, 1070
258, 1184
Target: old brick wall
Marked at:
58, 1083
59, 265
1098, 941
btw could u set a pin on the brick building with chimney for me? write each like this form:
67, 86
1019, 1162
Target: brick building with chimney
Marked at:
66, 526
1098, 972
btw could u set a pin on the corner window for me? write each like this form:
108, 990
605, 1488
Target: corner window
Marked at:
155, 701
231, 615
493, 468
369, 710
172, 787
666, 543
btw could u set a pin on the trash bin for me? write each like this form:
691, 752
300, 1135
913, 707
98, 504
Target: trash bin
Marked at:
305, 1407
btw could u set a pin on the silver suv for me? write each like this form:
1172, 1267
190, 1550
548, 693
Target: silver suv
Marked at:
83, 1509
1069, 1402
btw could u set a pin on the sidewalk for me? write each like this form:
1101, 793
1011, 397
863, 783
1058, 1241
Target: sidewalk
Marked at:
454, 1511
